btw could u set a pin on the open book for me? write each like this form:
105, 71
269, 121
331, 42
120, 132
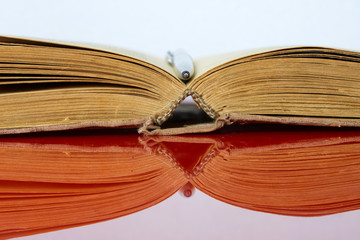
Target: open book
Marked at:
52, 86
49, 183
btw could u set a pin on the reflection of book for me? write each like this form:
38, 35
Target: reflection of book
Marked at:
49, 183
48, 86
303, 176
78, 180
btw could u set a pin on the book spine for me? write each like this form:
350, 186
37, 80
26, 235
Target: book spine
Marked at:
160, 119
184, 69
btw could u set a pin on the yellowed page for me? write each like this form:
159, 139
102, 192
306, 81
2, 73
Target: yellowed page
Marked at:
156, 61
205, 64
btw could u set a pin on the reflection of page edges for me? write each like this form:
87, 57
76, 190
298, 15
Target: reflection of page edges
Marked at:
47, 191
297, 144
314, 177
155, 145
57, 162
225, 148
67, 147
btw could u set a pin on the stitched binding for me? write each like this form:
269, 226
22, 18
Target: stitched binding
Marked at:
173, 105
161, 119
199, 100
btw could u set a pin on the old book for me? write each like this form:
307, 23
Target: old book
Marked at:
54, 86
55, 182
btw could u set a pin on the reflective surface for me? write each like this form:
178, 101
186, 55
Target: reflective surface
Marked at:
62, 180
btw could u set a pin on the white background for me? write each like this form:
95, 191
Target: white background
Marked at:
202, 28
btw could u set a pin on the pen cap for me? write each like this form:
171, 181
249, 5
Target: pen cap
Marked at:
183, 64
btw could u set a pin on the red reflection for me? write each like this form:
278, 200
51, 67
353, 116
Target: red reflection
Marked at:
187, 190
50, 182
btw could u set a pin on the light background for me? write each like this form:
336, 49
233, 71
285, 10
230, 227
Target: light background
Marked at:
202, 28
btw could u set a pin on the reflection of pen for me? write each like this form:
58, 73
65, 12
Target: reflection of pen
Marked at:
182, 63
187, 190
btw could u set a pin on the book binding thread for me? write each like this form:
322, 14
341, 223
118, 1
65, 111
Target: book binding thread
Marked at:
152, 125
173, 105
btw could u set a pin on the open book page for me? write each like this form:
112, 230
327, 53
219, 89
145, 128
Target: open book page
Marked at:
161, 63
204, 64
58, 76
